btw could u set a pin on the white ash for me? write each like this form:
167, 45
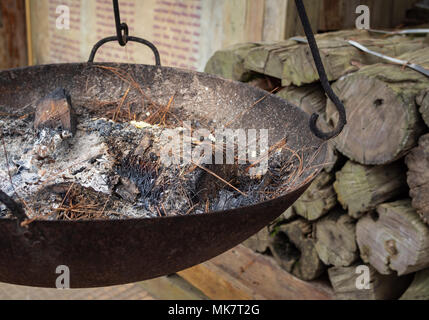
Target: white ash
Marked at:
52, 157
112, 159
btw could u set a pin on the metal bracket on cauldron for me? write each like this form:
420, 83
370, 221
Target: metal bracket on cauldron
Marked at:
122, 36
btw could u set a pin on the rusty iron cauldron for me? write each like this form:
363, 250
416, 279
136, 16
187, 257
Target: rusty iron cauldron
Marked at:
106, 252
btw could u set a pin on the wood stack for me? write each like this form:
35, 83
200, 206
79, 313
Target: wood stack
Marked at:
367, 213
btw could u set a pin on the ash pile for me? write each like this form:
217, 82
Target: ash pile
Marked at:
64, 164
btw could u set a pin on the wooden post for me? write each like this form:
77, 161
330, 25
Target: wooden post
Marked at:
13, 46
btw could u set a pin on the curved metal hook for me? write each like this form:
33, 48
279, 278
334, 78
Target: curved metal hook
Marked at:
122, 30
133, 39
324, 80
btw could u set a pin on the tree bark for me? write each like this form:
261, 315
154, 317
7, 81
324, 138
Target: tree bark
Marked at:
423, 102
394, 240
229, 63
361, 189
293, 63
418, 177
383, 122
336, 239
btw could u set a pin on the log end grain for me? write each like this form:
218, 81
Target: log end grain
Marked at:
294, 249
229, 63
362, 188
336, 239
319, 199
381, 287
395, 239
383, 123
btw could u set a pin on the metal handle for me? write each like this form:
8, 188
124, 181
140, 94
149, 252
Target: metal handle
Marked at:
323, 78
122, 36
128, 38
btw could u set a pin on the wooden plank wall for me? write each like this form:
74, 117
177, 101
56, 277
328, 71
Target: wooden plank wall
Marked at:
340, 14
13, 43
215, 24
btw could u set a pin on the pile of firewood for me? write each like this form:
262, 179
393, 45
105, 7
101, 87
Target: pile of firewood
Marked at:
370, 205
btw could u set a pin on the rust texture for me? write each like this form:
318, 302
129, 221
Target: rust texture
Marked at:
112, 252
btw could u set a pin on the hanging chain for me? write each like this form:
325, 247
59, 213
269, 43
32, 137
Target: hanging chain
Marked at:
122, 30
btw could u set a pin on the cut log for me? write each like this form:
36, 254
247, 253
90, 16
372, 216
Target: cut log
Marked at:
257, 58
288, 214
361, 189
419, 288
294, 249
266, 58
319, 198
309, 98
229, 63
312, 99
336, 239
423, 102
260, 242
394, 240
418, 177
346, 282
380, 100
293, 63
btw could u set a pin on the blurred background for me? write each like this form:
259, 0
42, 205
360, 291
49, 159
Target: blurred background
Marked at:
187, 32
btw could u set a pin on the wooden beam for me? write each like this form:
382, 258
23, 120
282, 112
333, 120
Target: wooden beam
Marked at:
29, 32
13, 46
254, 24
241, 274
